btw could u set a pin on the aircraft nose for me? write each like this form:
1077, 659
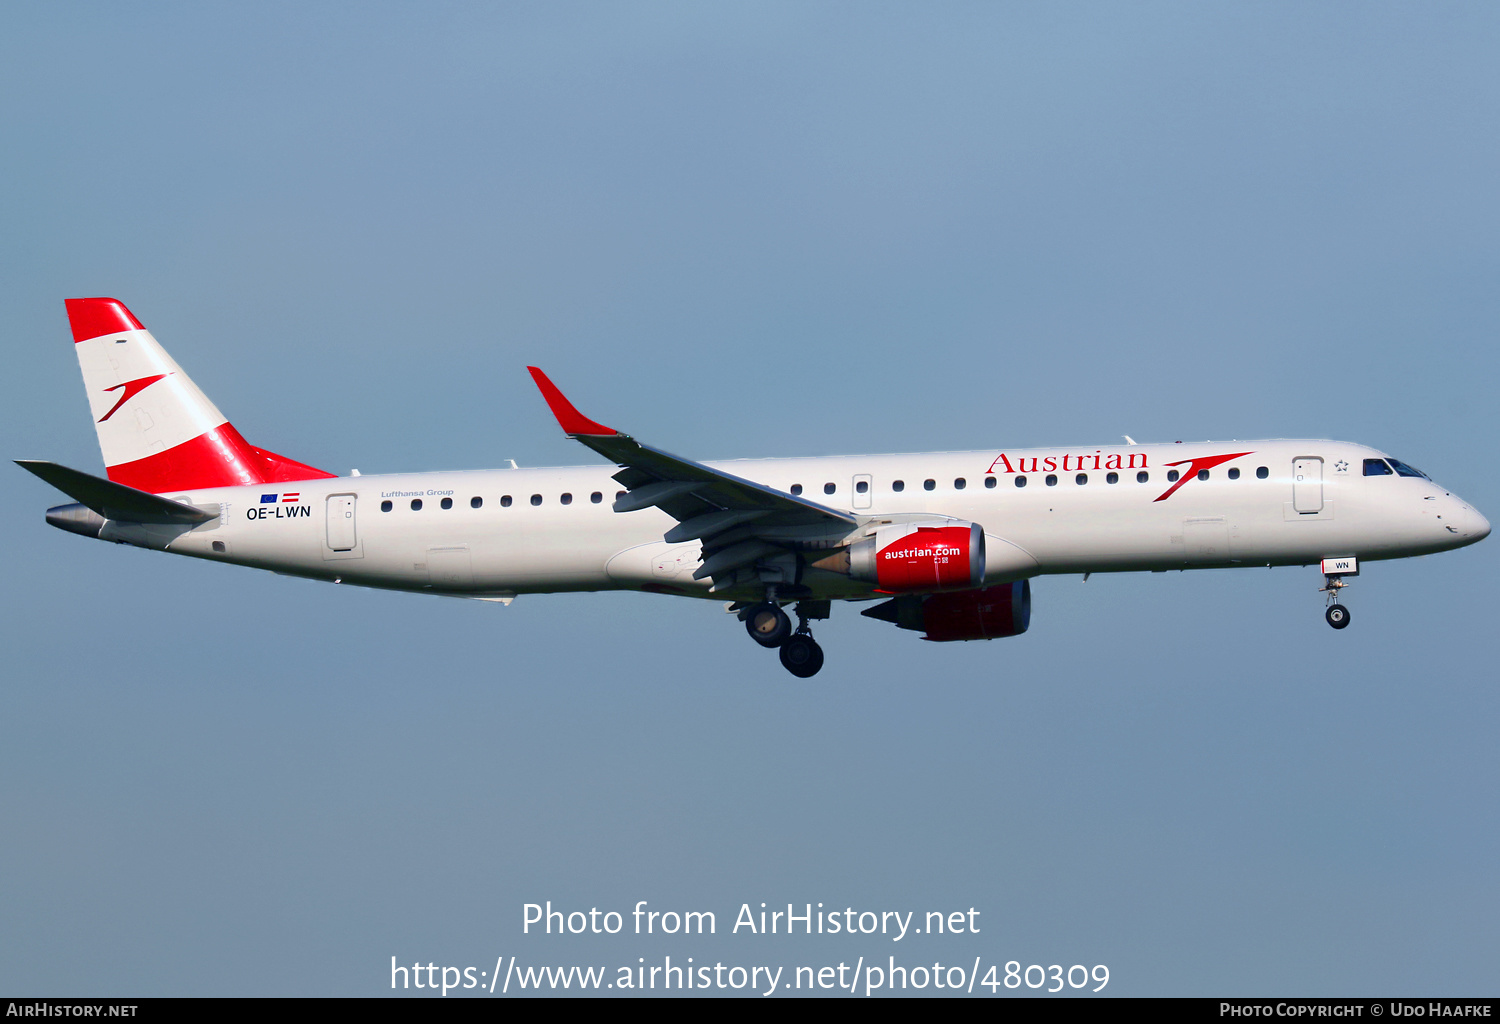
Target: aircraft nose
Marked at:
1475, 525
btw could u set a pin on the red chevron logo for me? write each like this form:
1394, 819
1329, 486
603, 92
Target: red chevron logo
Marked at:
1194, 466
132, 388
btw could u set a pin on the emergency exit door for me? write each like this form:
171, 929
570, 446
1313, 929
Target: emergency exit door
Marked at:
862, 488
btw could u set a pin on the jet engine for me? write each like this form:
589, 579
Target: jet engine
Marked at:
917, 556
985, 614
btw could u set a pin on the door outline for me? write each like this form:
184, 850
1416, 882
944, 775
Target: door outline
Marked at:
1307, 484
451, 567
341, 526
862, 500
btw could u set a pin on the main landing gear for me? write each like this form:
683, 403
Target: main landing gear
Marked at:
769, 626
801, 655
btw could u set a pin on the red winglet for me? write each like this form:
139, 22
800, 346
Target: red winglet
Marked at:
570, 419
91, 318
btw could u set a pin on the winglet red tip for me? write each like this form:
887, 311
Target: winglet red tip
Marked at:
570, 419
91, 318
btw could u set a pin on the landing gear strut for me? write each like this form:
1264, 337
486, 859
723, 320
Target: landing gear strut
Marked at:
1337, 615
769, 626
801, 655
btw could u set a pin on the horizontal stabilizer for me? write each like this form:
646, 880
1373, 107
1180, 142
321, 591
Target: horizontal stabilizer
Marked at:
116, 501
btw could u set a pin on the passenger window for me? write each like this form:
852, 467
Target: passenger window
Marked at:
1051, 479
960, 484
536, 499
1172, 475
863, 487
596, 497
505, 501
566, 499
796, 488
475, 502
416, 504
1112, 478
1202, 474
829, 488
446, 503
1234, 474
1142, 477
1262, 473
1081, 479
928, 485
898, 485
989, 481
385, 506
1020, 481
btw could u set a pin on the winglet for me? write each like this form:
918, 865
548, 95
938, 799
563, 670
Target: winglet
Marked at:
570, 419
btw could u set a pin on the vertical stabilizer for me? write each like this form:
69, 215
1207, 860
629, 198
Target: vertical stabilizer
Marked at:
157, 431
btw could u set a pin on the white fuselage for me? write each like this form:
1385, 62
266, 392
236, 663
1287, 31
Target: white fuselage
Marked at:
515, 531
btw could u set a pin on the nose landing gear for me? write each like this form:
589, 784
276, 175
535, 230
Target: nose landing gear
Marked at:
1334, 571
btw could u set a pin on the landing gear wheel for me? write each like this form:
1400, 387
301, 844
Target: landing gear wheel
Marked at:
1337, 616
768, 625
801, 656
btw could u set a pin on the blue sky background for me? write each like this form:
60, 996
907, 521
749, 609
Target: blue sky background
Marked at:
744, 230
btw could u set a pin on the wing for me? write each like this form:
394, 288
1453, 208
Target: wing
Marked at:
738, 521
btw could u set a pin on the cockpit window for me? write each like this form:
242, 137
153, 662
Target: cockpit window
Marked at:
1376, 467
1404, 470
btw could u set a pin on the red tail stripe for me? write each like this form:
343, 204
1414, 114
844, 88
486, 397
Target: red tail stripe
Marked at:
219, 458
91, 318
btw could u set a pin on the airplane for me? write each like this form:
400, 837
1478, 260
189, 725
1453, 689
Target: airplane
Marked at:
947, 542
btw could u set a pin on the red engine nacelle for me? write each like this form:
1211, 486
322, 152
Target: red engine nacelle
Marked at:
987, 614
910, 556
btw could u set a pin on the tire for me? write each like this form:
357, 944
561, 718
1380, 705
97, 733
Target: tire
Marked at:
768, 625
1337, 616
801, 656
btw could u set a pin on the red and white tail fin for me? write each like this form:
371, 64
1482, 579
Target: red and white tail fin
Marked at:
157, 431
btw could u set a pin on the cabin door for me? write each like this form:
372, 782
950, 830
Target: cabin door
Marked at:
1307, 485
341, 535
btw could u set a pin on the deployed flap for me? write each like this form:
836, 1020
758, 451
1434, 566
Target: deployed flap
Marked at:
724, 510
116, 501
